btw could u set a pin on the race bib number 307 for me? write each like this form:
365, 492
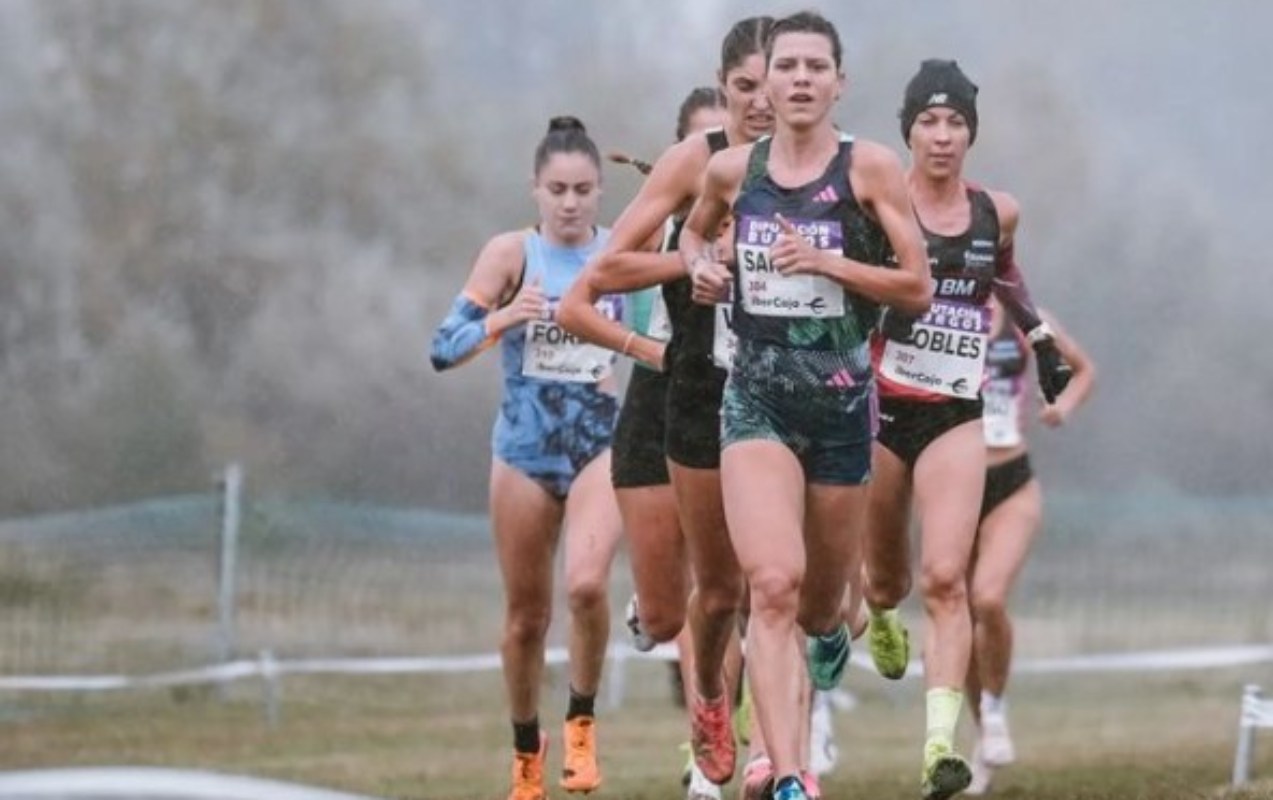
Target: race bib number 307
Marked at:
767, 292
946, 352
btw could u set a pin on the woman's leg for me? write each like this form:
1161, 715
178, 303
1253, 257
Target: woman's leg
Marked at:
718, 582
764, 502
593, 529
887, 560
658, 554
712, 615
949, 478
1003, 544
525, 520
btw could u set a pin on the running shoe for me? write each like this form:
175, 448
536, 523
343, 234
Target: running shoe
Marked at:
713, 739
687, 772
823, 752
758, 779
982, 774
640, 639
700, 788
996, 741
791, 790
579, 771
828, 656
945, 774
890, 645
528, 773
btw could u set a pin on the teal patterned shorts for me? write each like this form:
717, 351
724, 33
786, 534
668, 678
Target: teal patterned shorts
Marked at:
820, 404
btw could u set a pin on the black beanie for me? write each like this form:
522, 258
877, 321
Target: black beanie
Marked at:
939, 83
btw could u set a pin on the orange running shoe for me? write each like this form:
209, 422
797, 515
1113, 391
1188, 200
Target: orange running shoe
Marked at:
528, 773
579, 772
712, 737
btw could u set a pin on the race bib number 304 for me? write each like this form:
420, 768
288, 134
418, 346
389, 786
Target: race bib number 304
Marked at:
767, 292
553, 354
946, 352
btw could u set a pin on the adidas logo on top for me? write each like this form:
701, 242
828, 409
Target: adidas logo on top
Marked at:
827, 195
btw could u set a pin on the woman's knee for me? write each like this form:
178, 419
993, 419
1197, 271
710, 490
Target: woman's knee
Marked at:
586, 591
818, 620
775, 588
527, 625
662, 624
887, 589
944, 581
988, 603
720, 594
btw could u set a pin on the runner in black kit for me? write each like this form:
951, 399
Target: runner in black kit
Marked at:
693, 402
1011, 513
930, 444
639, 469
815, 214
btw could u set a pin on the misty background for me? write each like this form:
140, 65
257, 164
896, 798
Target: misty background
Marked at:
228, 229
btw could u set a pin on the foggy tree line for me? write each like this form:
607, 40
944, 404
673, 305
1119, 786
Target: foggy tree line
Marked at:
229, 229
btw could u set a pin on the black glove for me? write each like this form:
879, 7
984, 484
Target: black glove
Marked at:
1054, 373
895, 325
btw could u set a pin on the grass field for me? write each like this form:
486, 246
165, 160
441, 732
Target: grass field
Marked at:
444, 737
134, 590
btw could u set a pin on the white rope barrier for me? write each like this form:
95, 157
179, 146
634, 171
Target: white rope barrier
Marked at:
266, 665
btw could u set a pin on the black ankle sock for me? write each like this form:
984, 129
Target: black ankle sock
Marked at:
581, 705
526, 736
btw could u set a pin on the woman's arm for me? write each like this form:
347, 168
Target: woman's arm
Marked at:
476, 318
673, 181
1079, 387
721, 180
578, 314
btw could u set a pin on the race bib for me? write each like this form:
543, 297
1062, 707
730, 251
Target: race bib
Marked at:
724, 340
767, 292
551, 353
660, 324
1001, 416
946, 352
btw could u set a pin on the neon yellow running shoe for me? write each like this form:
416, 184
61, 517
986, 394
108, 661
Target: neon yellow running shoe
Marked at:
890, 644
946, 773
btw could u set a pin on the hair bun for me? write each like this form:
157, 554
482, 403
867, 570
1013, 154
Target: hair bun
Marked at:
566, 123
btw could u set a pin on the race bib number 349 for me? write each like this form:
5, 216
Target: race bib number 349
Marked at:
1002, 413
767, 292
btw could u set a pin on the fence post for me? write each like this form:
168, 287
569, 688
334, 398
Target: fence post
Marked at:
231, 499
271, 688
617, 676
1246, 734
